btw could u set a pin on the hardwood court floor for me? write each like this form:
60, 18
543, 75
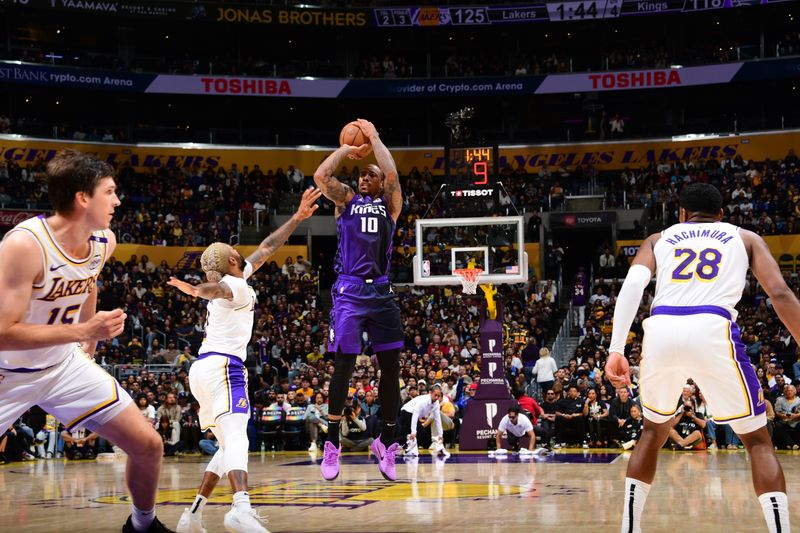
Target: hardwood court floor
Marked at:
567, 491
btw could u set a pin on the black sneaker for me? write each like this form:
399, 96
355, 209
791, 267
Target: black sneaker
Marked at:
155, 527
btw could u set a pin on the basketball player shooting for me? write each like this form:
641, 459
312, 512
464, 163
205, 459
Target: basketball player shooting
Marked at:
49, 326
363, 299
701, 267
218, 378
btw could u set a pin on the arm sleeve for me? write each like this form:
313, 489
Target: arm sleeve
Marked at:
627, 304
361, 423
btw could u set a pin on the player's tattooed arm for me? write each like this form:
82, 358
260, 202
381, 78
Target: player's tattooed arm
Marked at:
209, 291
333, 189
308, 204
391, 183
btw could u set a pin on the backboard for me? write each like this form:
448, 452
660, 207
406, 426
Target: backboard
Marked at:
494, 244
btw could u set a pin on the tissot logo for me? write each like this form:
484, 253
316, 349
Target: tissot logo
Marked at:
472, 192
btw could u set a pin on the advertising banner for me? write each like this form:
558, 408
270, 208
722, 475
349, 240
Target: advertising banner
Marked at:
105, 80
650, 79
11, 217
437, 87
492, 398
639, 79
582, 220
189, 257
211, 12
241, 86
604, 156
384, 17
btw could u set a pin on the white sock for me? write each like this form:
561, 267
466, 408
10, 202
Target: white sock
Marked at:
241, 501
142, 519
775, 506
635, 495
199, 504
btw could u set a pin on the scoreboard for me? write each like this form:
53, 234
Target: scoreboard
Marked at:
541, 11
470, 177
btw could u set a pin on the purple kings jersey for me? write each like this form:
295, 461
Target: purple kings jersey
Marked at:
365, 231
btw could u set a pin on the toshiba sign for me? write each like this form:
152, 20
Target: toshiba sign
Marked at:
638, 79
646, 78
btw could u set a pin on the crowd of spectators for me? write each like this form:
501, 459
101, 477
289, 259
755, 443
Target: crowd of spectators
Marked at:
763, 197
543, 59
288, 350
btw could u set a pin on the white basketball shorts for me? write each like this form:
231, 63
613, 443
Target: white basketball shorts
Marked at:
219, 382
75, 391
701, 343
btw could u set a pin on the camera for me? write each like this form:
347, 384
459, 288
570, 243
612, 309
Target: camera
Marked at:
458, 124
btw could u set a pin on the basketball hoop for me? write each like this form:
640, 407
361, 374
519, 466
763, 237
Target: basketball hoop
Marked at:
469, 278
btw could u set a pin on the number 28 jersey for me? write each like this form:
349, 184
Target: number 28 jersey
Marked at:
700, 264
365, 229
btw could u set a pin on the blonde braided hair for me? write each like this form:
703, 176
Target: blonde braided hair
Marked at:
214, 261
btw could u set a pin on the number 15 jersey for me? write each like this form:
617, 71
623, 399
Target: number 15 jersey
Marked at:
700, 264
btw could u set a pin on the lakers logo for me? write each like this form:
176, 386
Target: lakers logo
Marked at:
95, 261
242, 402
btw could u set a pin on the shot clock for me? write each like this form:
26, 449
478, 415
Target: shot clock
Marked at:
471, 166
471, 178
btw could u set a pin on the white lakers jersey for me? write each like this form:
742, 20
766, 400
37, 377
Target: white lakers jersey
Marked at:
229, 323
700, 264
58, 298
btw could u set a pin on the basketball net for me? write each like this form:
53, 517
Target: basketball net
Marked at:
469, 279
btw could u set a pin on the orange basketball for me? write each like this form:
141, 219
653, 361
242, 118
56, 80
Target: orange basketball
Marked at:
351, 134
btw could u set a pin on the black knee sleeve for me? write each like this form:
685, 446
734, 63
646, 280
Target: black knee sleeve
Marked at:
389, 387
343, 368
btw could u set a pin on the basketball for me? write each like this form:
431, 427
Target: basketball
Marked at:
352, 135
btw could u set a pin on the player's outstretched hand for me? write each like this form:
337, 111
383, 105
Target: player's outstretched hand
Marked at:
308, 203
105, 325
186, 288
617, 370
